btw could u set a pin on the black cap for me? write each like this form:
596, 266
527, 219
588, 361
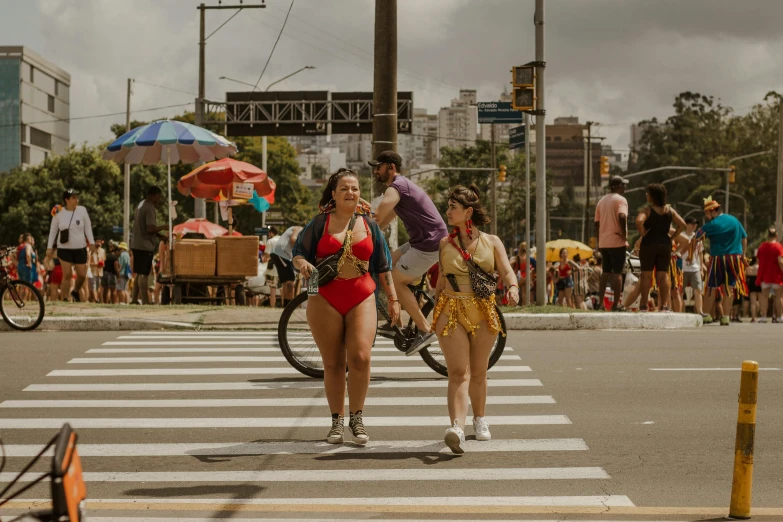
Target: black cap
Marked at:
387, 156
68, 194
690, 220
616, 181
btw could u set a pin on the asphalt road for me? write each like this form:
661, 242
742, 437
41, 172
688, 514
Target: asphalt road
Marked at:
641, 422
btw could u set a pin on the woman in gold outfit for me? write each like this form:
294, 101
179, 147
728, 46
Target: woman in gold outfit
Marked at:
466, 324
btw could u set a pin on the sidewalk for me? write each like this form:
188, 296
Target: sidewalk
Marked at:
93, 317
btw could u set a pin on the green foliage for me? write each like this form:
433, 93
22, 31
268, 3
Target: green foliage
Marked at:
704, 133
28, 195
319, 171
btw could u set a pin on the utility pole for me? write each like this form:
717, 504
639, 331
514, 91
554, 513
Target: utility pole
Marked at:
384, 98
200, 206
588, 180
541, 203
126, 199
779, 196
527, 207
586, 218
493, 226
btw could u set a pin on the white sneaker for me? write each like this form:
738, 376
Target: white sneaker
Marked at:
762, 320
481, 428
454, 438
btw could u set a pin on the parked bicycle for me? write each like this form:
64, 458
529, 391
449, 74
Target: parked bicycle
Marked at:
68, 491
299, 348
21, 303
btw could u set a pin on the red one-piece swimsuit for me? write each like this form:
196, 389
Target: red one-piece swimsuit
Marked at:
345, 294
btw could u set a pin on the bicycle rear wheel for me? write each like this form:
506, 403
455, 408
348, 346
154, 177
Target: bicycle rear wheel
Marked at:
296, 340
434, 358
21, 305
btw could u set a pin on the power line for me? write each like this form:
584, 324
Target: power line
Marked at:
164, 87
224, 23
96, 115
274, 46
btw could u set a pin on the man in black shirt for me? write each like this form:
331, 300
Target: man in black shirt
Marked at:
111, 270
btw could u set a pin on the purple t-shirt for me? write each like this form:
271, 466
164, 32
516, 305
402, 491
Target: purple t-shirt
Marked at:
419, 215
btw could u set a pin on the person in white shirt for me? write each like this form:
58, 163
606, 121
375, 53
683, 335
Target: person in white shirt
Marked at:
691, 268
71, 230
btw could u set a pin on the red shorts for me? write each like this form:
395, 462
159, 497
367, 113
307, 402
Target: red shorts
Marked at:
57, 276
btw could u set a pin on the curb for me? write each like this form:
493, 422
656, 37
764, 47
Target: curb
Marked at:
574, 321
602, 321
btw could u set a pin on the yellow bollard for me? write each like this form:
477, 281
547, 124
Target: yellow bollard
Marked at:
742, 484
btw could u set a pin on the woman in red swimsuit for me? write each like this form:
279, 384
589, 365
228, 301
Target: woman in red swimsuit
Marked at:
343, 316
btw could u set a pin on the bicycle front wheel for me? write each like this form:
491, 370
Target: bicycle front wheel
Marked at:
21, 305
434, 358
296, 340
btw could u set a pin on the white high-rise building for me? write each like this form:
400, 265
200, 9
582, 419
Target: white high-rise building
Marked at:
458, 124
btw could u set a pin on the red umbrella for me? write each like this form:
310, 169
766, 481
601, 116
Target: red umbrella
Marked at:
210, 179
202, 226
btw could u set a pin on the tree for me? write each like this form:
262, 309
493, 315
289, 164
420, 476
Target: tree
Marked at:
28, 195
704, 133
319, 171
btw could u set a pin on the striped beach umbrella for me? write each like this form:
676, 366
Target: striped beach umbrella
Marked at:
168, 142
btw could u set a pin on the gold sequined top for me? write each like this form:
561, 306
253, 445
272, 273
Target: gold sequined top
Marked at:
453, 263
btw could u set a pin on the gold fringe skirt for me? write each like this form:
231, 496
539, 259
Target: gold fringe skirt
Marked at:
466, 309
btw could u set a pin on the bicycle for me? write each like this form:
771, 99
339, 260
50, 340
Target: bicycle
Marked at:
68, 492
301, 352
21, 303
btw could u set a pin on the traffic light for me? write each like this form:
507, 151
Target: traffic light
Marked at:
502, 173
604, 166
523, 79
732, 174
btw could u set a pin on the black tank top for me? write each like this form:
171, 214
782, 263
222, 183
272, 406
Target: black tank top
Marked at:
657, 226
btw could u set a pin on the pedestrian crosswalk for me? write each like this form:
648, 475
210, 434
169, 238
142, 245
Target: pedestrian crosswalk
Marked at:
171, 422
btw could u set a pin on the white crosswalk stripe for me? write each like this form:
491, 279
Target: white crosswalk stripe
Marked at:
288, 415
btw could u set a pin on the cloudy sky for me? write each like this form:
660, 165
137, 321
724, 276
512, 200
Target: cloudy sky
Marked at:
610, 61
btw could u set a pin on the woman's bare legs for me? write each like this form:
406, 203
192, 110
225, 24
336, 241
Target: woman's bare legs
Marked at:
456, 351
328, 329
480, 348
360, 325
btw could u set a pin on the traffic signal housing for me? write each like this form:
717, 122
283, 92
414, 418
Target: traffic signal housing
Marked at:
732, 174
523, 80
502, 173
604, 166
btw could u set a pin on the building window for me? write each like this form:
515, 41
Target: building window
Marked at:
32, 74
56, 87
25, 154
40, 138
50, 99
24, 132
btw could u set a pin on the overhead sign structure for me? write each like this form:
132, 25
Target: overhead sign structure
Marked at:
498, 112
302, 113
516, 137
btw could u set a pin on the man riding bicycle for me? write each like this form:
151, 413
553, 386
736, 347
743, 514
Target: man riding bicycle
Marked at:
425, 226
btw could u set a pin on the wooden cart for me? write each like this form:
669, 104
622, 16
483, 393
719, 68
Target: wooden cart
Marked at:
196, 289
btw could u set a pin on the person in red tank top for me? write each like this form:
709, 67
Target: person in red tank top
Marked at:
770, 275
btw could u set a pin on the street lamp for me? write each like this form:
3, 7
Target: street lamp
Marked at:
664, 182
271, 84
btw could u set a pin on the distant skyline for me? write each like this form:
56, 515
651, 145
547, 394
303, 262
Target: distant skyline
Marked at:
611, 61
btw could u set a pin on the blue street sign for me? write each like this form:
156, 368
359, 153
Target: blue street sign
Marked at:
116, 230
263, 231
516, 137
498, 112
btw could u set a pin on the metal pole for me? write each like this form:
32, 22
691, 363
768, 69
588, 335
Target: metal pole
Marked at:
493, 180
742, 482
126, 199
779, 197
541, 204
586, 218
384, 99
199, 205
527, 206
263, 167
726, 200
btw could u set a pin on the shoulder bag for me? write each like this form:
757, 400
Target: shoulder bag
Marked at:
482, 283
65, 234
329, 266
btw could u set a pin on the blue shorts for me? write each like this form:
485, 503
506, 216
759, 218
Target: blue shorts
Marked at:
568, 282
